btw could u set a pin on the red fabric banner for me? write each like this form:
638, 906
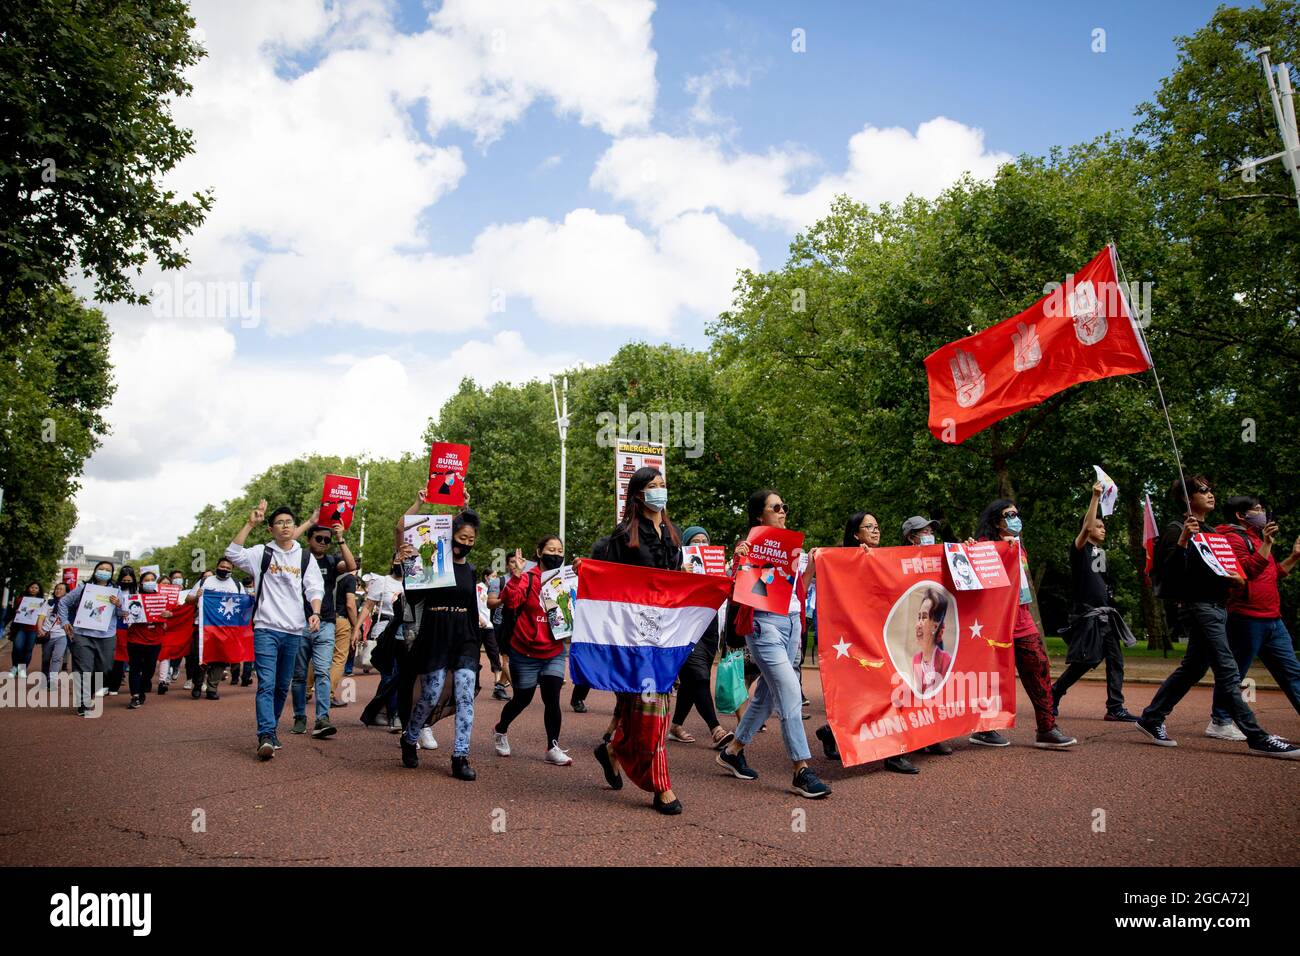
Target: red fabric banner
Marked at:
907, 660
178, 631
1080, 332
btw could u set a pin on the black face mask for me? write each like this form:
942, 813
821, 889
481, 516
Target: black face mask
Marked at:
395, 570
461, 550
550, 561
222, 573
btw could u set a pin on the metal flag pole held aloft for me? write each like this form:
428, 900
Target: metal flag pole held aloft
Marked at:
1123, 289
562, 426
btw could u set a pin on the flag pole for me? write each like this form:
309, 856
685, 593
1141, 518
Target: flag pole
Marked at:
1124, 287
200, 658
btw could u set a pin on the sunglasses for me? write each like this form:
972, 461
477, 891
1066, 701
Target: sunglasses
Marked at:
321, 538
779, 508
1011, 514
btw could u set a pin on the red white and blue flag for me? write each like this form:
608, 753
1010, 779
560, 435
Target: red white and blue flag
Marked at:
225, 628
636, 626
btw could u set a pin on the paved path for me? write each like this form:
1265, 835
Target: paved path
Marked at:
123, 789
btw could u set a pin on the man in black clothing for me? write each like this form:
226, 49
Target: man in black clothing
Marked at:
1202, 597
1096, 628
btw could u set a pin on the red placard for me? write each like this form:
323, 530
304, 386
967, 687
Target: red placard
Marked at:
1217, 553
338, 500
765, 576
70, 578
706, 558
973, 567
164, 600
448, 465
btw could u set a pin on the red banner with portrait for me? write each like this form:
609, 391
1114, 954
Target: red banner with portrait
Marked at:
908, 659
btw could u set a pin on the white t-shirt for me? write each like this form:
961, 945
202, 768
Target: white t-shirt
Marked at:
383, 591
280, 607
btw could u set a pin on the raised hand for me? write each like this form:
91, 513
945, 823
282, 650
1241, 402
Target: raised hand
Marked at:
1026, 351
258, 514
967, 378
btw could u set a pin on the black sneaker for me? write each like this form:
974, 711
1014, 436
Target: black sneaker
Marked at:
1054, 740
829, 747
299, 725
1275, 746
410, 753
499, 691
613, 778
942, 749
275, 740
135, 702
667, 809
197, 690
394, 725
1159, 736
212, 694
461, 770
807, 784
901, 764
989, 738
1121, 715
162, 687
246, 682
579, 706
805, 703
324, 728
265, 747
737, 765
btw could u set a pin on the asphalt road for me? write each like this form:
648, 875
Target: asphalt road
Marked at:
133, 787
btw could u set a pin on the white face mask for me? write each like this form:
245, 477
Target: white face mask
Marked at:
656, 499
926, 539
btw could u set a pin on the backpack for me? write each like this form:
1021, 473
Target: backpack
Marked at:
302, 579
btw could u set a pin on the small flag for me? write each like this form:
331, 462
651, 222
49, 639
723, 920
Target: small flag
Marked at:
226, 628
1150, 534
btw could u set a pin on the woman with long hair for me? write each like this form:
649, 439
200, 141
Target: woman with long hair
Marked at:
24, 635
536, 657
143, 645
1001, 521
54, 632
645, 536
92, 651
774, 645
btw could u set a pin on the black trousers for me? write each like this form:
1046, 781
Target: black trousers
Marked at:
695, 692
1206, 627
143, 659
1114, 674
489, 640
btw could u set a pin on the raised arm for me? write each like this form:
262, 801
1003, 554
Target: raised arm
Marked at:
400, 530
1089, 517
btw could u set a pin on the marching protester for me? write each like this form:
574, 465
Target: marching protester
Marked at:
578, 698
172, 669
773, 644
695, 690
1096, 629
127, 584
638, 744
1001, 521
317, 646
54, 633
1202, 596
446, 646
487, 634
195, 672
24, 635
1255, 625
207, 678
92, 651
287, 584
536, 657
143, 645
346, 624
385, 598
500, 635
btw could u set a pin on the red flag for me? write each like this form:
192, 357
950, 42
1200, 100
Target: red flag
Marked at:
178, 631
1150, 534
1082, 331
879, 614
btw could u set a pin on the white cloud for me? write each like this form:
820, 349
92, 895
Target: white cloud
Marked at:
703, 85
665, 176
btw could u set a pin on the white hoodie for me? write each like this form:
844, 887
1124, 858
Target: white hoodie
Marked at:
280, 606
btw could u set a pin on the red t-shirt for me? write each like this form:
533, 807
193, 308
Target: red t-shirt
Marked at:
532, 634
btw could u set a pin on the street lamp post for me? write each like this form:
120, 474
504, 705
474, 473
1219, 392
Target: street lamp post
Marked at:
562, 426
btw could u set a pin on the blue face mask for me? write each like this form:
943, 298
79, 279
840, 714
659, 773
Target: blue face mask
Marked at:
103, 576
149, 587
926, 539
656, 499
1014, 525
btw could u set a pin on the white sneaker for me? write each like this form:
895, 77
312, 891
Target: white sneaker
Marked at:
426, 741
501, 743
102, 692
188, 685
1226, 731
557, 756
22, 672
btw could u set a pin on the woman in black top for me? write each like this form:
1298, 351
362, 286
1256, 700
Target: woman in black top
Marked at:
447, 641
645, 537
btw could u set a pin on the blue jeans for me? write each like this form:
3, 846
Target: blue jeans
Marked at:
1269, 640
774, 648
317, 648
274, 654
24, 641
463, 681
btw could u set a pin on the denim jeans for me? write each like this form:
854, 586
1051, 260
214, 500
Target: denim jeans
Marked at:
318, 648
463, 681
1269, 640
1207, 648
24, 641
774, 646
274, 654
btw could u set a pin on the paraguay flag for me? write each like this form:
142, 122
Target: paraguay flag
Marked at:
225, 628
636, 626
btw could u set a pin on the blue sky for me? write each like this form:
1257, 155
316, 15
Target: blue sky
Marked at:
385, 170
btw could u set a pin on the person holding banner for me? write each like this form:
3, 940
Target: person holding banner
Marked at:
143, 645
55, 634
24, 635
536, 657
638, 744
694, 689
773, 642
385, 597
1096, 628
207, 677
127, 584
1201, 595
92, 650
1001, 521
1255, 625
